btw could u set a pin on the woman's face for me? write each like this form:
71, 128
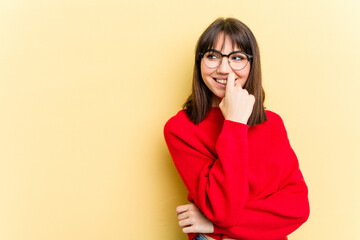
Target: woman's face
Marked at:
211, 75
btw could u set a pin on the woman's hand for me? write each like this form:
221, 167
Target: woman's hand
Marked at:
237, 105
192, 220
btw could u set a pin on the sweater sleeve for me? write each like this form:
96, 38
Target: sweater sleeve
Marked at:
279, 214
209, 181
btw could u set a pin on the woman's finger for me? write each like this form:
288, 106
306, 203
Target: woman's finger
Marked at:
184, 215
189, 229
185, 222
182, 208
230, 83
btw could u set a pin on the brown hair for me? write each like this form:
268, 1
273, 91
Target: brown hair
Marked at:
199, 102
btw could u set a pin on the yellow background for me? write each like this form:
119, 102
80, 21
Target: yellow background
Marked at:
86, 87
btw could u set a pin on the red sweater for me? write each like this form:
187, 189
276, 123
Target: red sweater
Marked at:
246, 180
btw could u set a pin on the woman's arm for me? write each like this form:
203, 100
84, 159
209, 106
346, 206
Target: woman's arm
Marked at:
281, 213
271, 218
210, 181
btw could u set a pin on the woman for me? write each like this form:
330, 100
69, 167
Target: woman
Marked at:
234, 156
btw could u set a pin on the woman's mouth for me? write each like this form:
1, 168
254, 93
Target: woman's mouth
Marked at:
222, 81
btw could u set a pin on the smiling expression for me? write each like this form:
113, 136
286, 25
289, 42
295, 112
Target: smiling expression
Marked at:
215, 78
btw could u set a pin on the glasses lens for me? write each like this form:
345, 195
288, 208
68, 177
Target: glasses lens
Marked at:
238, 60
212, 59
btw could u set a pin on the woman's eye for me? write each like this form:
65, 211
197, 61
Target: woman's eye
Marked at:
238, 57
211, 56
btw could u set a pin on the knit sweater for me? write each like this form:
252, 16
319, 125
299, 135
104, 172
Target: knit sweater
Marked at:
245, 180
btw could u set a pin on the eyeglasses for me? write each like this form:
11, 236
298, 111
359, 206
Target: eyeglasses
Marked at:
237, 60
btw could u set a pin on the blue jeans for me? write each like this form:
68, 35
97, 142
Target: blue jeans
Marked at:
200, 237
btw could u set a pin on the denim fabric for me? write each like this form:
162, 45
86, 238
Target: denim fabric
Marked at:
200, 237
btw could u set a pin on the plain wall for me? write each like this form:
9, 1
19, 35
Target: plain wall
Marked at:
87, 86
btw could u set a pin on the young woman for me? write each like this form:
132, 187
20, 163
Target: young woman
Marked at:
234, 156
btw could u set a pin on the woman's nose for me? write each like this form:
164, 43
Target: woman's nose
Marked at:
224, 66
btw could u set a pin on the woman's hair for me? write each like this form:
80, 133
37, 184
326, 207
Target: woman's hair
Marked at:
199, 102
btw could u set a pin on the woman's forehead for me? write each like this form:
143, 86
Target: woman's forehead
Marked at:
222, 41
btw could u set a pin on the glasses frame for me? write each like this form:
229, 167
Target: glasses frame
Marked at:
248, 56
